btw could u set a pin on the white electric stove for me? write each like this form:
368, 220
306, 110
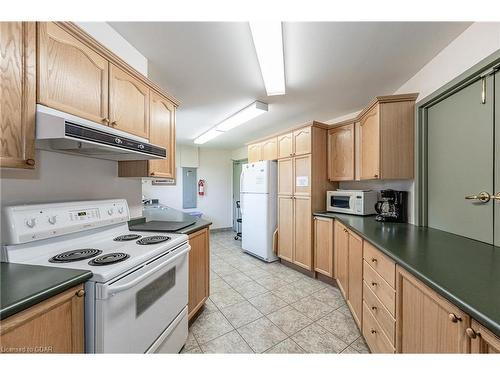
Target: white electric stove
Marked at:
136, 300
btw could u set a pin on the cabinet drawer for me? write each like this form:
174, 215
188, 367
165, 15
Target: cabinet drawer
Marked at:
380, 288
384, 266
380, 313
373, 334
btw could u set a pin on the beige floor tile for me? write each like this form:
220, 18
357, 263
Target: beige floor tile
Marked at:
250, 289
360, 346
287, 346
210, 326
257, 274
236, 278
218, 285
267, 303
289, 293
195, 350
341, 326
272, 282
349, 350
261, 334
226, 298
312, 308
190, 342
289, 320
223, 269
344, 309
331, 296
210, 306
228, 343
241, 313
316, 339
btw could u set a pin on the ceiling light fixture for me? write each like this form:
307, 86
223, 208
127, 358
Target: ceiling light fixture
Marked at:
246, 114
268, 41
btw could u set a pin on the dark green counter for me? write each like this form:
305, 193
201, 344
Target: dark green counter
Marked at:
163, 213
22, 286
465, 271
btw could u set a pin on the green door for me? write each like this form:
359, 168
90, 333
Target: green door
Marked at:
497, 160
460, 162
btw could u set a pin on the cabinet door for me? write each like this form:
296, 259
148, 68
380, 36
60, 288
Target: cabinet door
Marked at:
302, 175
285, 176
323, 245
71, 76
52, 326
302, 232
162, 133
483, 341
369, 134
270, 149
17, 101
355, 272
285, 228
302, 141
199, 271
254, 153
128, 103
425, 321
285, 145
341, 153
341, 256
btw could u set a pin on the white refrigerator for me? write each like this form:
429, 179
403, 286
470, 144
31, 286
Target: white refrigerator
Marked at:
258, 202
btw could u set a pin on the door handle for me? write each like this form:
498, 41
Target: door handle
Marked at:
496, 196
482, 197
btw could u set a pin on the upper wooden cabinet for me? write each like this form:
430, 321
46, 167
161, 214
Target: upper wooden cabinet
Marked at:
323, 245
369, 135
254, 152
128, 103
302, 139
285, 145
17, 100
269, 149
341, 153
72, 77
425, 321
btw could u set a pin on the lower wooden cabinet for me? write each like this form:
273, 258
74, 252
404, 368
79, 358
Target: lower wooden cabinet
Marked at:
355, 291
482, 341
199, 271
302, 232
341, 257
55, 325
425, 321
323, 245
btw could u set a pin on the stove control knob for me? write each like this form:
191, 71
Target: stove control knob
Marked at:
52, 220
120, 210
31, 222
110, 211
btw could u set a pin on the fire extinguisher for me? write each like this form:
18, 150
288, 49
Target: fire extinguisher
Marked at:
201, 187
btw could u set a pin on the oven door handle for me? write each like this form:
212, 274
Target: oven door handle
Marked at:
109, 291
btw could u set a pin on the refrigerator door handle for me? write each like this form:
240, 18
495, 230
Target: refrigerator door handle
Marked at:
241, 203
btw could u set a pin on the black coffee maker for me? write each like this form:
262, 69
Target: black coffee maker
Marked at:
392, 206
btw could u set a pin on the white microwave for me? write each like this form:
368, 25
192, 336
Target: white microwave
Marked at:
357, 202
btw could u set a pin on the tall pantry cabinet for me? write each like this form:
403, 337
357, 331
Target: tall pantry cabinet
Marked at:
302, 184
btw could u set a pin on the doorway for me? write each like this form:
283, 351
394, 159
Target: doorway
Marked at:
237, 166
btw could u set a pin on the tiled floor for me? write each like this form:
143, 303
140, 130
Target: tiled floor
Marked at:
258, 307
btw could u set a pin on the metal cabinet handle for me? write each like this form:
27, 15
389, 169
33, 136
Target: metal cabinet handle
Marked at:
375, 175
471, 333
106, 120
374, 308
114, 123
374, 260
453, 318
373, 331
496, 196
374, 283
80, 293
482, 197
30, 162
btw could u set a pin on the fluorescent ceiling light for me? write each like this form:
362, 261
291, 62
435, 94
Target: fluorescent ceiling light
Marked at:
246, 114
207, 136
268, 41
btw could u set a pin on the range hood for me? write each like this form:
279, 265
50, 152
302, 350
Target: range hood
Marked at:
61, 132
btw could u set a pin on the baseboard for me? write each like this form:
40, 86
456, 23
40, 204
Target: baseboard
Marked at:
217, 230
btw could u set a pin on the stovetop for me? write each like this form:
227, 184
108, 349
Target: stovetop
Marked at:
108, 252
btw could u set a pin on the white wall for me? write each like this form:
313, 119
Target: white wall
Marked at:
111, 39
240, 153
216, 169
60, 177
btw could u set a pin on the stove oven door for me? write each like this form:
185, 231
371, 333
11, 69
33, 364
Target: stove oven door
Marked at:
133, 312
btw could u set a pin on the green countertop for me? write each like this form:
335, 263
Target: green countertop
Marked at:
22, 286
164, 213
464, 271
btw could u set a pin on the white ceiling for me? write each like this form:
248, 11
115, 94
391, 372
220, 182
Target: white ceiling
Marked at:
331, 68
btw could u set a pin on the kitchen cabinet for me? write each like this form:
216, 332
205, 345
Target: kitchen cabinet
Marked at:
72, 76
302, 141
18, 101
302, 184
341, 256
386, 138
482, 340
199, 271
269, 149
341, 153
425, 321
355, 276
254, 152
323, 245
285, 145
128, 103
55, 325
374, 336
161, 133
